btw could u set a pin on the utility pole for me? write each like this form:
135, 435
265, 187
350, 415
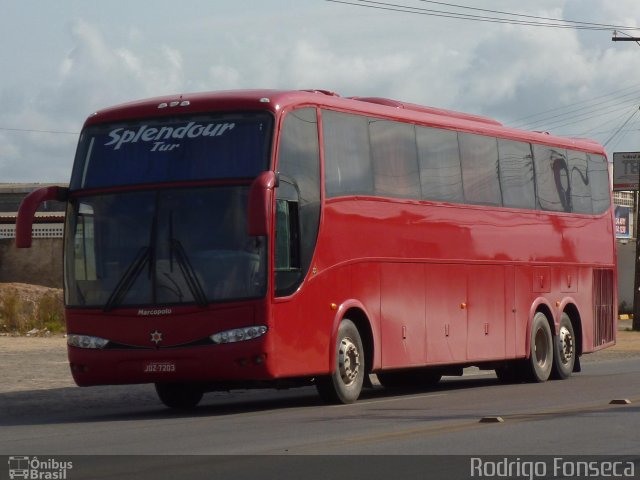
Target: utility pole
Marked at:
636, 284
626, 38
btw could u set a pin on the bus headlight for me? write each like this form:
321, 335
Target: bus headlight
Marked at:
86, 341
238, 334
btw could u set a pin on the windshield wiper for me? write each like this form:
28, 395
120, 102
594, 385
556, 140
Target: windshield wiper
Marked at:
128, 279
189, 274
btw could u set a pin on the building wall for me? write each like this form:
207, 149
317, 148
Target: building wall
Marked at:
39, 265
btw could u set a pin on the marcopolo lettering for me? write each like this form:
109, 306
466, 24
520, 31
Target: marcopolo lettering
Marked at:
157, 311
158, 135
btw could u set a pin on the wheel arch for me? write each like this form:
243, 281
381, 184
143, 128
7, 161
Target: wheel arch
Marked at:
356, 312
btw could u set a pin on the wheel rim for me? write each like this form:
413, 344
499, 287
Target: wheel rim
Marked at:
348, 361
566, 345
541, 346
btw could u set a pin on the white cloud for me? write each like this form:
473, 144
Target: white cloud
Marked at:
497, 70
92, 75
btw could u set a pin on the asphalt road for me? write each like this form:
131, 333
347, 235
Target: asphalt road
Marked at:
122, 432
558, 417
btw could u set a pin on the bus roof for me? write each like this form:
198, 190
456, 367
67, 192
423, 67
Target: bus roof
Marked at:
279, 100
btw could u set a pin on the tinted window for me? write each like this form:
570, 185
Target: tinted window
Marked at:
480, 179
516, 174
169, 150
552, 178
347, 156
599, 183
440, 172
299, 168
394, 159
162, 247
579, 181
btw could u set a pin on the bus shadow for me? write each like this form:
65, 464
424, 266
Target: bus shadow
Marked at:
139, 402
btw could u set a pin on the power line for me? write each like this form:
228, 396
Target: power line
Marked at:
481, 18
520, 121
620, 128
583, 118
499, 12
585, 112
31, 130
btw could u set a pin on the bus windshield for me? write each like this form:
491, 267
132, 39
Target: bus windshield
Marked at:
172, 149
162, 247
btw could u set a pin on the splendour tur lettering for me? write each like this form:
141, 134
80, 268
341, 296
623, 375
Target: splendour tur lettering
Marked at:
163, 136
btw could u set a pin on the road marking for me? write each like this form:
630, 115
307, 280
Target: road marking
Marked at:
387, 400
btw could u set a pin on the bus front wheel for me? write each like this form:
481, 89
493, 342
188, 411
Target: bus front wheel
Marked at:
345, 383
540, 349
180, 396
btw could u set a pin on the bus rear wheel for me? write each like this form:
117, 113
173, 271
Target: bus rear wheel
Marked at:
345, 383
541, 348
180, 396
564, 356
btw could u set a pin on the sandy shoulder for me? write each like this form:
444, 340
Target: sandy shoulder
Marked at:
35, 363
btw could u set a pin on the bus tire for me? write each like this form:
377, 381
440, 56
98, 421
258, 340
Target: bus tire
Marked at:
345, 383
180, 396
541, 348
564, 355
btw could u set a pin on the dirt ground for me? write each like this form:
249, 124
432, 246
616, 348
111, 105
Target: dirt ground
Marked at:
40, 363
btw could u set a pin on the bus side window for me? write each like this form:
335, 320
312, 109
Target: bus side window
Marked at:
552, 178
347, 154
287, 246
84, 244
297, 199
599, 182
440, 170
481, 182
579, 181
394, 159
517, 174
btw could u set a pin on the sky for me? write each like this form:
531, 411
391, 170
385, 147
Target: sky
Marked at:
62, 60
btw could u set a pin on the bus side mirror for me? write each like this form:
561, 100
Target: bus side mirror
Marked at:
260, 201
27, 211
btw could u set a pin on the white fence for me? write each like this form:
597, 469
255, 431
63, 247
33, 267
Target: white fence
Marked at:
40, 230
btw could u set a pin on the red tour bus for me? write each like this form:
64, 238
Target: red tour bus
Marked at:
279, 238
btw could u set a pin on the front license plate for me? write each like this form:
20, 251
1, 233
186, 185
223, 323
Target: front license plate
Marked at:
159, 367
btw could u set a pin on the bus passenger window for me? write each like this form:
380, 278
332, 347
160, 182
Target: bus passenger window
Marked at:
552, 178
440, 172
394, 159
516, 174
347, 154
599, 183
479, 155
579, 181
